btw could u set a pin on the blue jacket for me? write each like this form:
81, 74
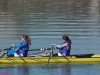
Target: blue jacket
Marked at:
23, 48
65, 48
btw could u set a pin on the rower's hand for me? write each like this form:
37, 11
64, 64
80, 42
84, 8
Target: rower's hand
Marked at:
13, 45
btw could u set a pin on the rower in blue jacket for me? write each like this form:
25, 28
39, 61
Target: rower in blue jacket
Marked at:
22, 48
65, 47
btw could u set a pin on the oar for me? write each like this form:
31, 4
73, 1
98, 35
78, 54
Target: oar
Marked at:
51, 52
7, 49
20, 56
5, 52
42, 49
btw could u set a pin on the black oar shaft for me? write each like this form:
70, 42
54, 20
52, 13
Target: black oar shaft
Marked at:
20, 56
5, 52
49, 57
51, 52
35, 50
2, 55
42, 49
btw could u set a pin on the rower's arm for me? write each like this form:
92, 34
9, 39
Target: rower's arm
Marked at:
20, 45
61, 46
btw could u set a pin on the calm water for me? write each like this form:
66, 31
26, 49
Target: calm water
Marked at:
45, 21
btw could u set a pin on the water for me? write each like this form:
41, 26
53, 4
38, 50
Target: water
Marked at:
65, 69
46, 21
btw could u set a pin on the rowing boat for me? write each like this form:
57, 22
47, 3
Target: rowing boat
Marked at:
87, 58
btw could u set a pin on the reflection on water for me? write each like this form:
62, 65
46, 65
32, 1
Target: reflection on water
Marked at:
64, 70
15, 69
58, 69
45, 21
38, 70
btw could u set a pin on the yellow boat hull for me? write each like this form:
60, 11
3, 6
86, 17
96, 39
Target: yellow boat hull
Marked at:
54, 59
